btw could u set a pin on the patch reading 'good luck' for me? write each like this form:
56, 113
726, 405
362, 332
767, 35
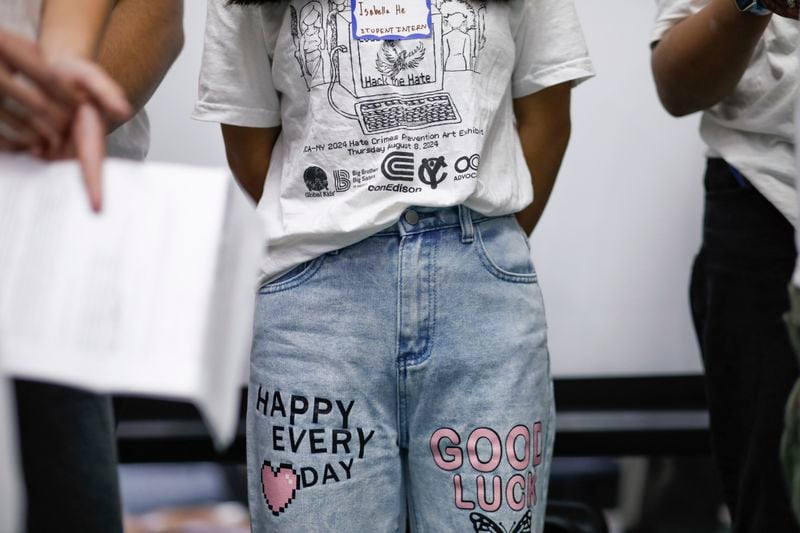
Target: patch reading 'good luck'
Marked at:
474, 459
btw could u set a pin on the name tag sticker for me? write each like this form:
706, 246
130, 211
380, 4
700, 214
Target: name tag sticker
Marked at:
392, 20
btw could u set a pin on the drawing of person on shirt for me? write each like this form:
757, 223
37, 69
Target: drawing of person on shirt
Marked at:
312, 44
458, 42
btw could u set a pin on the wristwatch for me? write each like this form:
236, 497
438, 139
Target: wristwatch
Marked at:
752, 6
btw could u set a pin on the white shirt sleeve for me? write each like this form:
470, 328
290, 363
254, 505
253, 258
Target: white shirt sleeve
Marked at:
671, 12
550, 47
236, 85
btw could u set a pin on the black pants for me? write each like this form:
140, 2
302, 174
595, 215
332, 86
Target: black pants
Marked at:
69, 460
738, 297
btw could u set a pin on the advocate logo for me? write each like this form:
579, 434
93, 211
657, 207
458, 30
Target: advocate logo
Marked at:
399, 166
467, 167
430, 171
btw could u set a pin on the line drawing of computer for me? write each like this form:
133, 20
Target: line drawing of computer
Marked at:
390, 84
397, 84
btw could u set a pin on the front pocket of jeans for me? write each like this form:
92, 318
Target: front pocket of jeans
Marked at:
503, 250
293, 278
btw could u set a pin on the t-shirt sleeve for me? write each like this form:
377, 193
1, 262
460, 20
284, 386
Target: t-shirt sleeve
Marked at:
671, 12
236, 85
550, 47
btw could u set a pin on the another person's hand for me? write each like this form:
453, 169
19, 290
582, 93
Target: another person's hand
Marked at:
55, 109
784, 8
35, 108
100, 99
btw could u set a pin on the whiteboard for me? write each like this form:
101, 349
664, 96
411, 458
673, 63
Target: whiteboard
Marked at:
615, 247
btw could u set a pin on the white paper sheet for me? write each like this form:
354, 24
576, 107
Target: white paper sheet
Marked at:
152, 296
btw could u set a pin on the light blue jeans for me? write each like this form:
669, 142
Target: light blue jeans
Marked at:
404, 378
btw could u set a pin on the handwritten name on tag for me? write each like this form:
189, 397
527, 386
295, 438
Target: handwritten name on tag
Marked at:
391, 19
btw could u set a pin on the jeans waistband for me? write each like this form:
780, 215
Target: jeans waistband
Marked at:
420, 219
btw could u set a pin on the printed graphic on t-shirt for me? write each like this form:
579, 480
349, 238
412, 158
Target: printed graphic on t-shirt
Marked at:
388, 85
393, 126
474, 458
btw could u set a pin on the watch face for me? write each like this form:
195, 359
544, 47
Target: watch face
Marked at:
745, 5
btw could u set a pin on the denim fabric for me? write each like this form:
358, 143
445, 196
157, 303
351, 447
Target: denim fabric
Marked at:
69, 459
738, 297
790, 442
405, 377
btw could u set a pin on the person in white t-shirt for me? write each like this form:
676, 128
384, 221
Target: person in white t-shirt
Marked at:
67, 442
736, 61
399, 370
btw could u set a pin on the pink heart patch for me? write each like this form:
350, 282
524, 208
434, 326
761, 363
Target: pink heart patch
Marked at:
279, 486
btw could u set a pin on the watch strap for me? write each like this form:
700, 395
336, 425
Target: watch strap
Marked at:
753, 7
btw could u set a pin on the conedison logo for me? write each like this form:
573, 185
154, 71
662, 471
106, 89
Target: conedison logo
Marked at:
399, 166
394, 187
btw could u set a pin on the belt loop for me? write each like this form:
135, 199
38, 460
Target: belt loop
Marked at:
467, 229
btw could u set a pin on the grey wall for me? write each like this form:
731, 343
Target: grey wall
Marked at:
176, 137
615, 247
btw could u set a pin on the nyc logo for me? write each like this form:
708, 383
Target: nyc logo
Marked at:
429, 170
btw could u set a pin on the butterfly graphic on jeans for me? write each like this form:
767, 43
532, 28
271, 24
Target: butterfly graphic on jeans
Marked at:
484, 523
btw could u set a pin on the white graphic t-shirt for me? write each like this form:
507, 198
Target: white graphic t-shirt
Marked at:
383, 105
753, 128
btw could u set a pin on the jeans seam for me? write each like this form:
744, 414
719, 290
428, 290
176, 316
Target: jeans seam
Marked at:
295, 281
399, 288
401, 371
402, 423
419, 231
428, 348
498, 272
413, 514
434, 295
